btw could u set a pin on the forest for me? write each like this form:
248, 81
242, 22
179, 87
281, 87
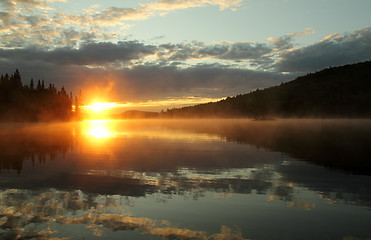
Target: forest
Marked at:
343, 92
33, 102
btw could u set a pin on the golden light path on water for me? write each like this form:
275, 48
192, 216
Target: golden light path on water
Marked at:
107, 129
99, 129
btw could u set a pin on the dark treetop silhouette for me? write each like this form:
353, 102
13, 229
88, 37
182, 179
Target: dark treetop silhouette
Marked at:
20, 102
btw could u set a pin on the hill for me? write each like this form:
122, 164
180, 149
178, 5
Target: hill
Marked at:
133, 114
333, 92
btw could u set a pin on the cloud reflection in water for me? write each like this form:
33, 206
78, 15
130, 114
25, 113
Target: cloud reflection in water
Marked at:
31, 214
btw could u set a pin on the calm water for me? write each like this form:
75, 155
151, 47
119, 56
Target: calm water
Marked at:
191, 179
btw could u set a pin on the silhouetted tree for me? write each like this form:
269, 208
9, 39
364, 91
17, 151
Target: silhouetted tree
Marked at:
38, 85
32, 84
17, 79
23, 103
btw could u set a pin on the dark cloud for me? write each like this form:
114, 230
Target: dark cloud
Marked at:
242, 51
334, 50
122, 66
148, 82
282, 43
87, 54
225, 51
104, 52
200, 80
5, 17
124, 72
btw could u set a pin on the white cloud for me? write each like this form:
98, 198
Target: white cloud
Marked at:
40, 4
22, 24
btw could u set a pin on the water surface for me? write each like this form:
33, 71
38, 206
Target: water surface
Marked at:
186, 179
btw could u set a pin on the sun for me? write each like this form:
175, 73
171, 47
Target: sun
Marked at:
98, 107
98, 110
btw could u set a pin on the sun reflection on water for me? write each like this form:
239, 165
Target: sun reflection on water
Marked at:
99, 129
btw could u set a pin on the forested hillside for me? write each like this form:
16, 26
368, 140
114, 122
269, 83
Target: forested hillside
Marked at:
333, 92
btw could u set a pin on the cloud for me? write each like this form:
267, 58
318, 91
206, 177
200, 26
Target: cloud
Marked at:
331, 36
286, 42
213, 81
32, 27
133, 83
333, 50
125, 53
51, 209
225, 51
171, 5
282, 43
246, 51
88, 54
113, 15
5, 17
302, 33
40, 4
146, 72
23, 29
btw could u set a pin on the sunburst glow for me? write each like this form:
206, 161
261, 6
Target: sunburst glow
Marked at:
99, 129
100, 106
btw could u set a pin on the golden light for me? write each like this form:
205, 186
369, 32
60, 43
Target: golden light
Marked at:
99, 110
98, 107
99, 129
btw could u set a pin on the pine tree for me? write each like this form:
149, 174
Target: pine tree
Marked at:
31, 84
38, 85
17, 79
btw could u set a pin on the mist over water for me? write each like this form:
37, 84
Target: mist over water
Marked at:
186, 179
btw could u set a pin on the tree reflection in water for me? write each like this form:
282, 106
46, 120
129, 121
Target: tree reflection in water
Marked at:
35, 142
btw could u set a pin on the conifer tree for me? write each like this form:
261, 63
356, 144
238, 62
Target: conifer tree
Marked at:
17, 79
38, 85
32, 84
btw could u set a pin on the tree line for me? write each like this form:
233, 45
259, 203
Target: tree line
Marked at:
333, 92
33, 102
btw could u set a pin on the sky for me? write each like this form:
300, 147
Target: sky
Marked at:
153, 55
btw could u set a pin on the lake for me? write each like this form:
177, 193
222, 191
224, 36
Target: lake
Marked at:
186, 179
